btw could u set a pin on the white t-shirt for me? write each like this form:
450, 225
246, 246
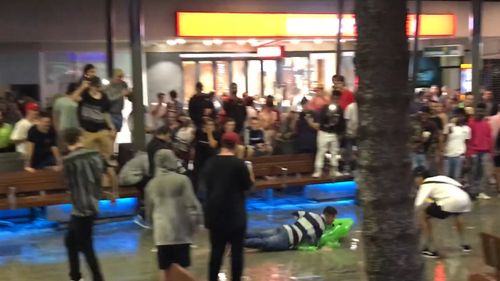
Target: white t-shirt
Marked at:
457, 136
20, 132
351, 115
447, 194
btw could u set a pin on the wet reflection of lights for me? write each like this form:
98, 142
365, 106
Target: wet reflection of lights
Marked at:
223, 277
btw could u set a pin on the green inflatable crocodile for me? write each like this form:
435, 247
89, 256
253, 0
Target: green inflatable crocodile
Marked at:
332, 235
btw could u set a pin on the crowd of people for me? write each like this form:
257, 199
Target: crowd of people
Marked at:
197, 152
453, 136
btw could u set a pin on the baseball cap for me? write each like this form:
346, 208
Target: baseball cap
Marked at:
231, 137
32, 106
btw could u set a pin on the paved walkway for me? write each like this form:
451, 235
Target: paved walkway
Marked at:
125, 251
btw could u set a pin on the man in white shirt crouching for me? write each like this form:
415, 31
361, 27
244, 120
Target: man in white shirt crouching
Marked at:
440, 197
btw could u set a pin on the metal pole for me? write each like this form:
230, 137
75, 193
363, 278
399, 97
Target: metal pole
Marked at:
340, 13
416, 38
136, 38
110, 30
477, 6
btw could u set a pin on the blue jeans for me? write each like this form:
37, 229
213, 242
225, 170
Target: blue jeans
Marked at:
419, 160
268, 240
453, 167
350, 143
477, 176
117, 120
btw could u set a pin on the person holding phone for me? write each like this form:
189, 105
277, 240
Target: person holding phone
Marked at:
95, 117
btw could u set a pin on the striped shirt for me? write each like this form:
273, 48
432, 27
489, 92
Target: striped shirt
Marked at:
309, 227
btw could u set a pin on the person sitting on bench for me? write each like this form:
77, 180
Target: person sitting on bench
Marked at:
308, 228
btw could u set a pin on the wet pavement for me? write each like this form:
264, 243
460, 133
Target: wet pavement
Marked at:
125, 253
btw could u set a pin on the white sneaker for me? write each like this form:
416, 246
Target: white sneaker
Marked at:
483, 196
139, 220
316, 175
335, 173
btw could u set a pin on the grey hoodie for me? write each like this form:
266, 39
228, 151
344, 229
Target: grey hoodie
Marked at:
171, 206
83, 170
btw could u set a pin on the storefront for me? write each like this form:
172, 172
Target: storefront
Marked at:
285, 55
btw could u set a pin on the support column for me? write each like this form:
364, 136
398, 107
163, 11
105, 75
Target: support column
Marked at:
110, 30
477, 11
416, 38
136, 39
340, 13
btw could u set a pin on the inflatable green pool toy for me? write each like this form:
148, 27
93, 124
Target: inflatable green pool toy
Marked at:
332, 235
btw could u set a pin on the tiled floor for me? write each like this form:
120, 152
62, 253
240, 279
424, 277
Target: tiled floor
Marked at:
125, 253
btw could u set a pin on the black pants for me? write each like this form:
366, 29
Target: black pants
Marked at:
79, 239
140, 199
219, 240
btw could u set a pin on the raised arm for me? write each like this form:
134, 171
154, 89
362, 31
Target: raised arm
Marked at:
76, 95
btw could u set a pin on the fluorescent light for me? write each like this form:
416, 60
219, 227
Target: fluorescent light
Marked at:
253, 42
218, 42
208, 42
343, 40
241, 42
318, 41
180, 41
295, 41
171, 42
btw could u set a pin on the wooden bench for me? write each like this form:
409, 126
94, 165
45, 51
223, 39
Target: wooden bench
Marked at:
42, 188
46, 187
282, 171
491, 251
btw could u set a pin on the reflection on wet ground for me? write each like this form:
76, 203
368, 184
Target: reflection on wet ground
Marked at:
125, 251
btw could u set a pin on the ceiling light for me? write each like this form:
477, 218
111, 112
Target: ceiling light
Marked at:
180, 41
208, 42
218, 42
171, 42
295, 41
318, 41
253, 42
241, 42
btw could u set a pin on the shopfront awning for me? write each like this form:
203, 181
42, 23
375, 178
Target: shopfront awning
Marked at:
284, 25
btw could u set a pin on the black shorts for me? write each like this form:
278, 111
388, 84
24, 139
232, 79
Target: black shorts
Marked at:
435, 211
170, 254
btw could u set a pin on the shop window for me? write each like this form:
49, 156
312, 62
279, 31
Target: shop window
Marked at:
207, 76
222, 77
189, 79
322, 69
270, 85
348, 70
239, 76
254, 78
296, 78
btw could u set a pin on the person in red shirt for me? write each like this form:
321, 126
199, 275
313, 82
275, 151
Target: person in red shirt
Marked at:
347, 96
479, 147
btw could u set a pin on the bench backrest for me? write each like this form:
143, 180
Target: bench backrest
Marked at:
25, 182
11, 162
491, 250
271, 165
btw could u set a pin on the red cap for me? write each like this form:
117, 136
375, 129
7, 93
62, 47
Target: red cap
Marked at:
231, 137
31, 106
